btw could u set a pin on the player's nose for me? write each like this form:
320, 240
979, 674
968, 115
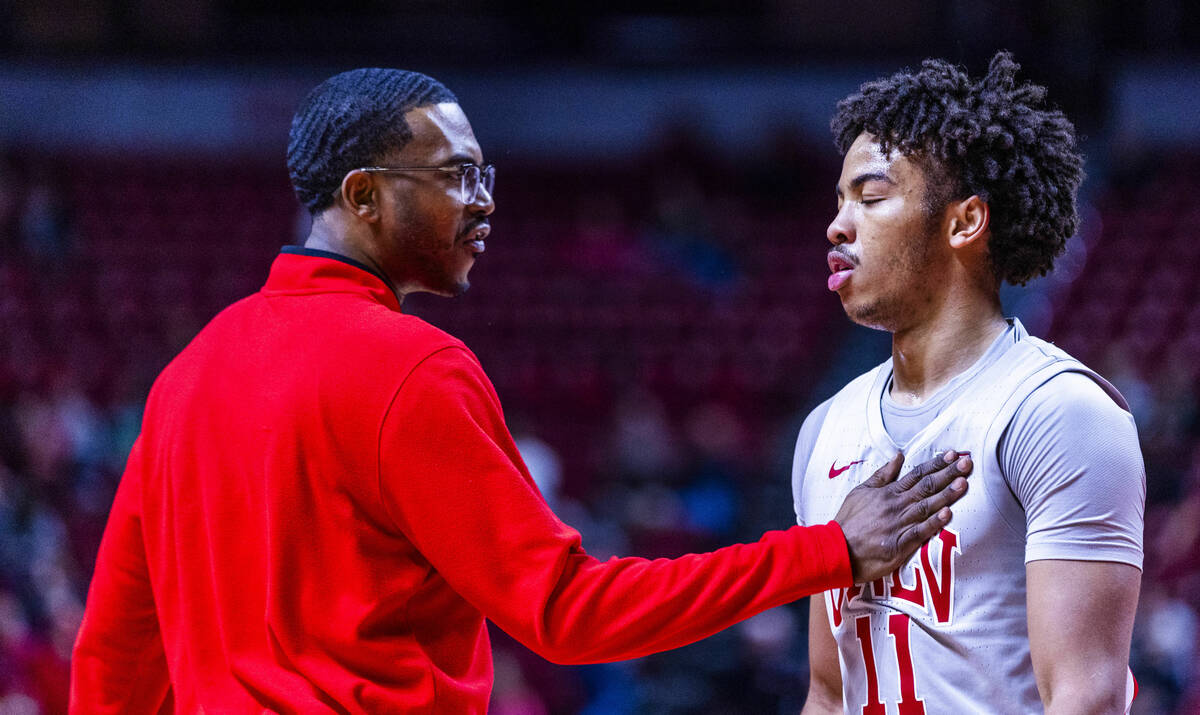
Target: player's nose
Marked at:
841, 229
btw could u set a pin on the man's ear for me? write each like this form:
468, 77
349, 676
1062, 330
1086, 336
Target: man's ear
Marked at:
358, 193
969, 222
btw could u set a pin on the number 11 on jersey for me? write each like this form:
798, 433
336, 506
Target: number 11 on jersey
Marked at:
898, 625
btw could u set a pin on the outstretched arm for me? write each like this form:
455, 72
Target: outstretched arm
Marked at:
455, 486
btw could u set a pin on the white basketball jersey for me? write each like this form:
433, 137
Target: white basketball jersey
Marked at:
946, 633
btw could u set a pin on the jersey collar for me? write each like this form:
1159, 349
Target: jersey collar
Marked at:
300, 270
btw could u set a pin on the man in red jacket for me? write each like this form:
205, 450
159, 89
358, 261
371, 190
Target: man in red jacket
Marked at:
324, 504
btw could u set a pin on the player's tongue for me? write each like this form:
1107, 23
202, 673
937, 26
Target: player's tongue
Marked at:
842, 269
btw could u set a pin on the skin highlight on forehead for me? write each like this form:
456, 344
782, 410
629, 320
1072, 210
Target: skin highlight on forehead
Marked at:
865, 162
861, 179
441, 136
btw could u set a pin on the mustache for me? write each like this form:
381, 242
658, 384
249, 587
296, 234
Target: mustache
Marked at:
476, 225
844, 254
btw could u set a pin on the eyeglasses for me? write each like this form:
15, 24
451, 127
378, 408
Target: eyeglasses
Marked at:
472, 176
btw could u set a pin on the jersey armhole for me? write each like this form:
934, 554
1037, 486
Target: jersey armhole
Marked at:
1004, 420
807, 438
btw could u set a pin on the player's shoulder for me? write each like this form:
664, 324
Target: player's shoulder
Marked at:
806, 440
813, 422
1071, 431
1044, 347
1078, 393
853, 389
1076, 407
1067, 385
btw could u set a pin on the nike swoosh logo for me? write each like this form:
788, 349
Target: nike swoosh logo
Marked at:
835, 470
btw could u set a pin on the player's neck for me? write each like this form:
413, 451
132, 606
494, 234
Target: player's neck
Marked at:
326, 235
932, 352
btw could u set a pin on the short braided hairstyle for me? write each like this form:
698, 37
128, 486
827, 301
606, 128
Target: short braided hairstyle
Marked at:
352, 120
993, 138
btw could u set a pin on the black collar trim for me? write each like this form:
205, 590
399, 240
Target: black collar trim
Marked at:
318, 253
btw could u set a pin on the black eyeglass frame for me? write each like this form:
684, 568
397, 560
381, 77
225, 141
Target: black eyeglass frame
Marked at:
485, 176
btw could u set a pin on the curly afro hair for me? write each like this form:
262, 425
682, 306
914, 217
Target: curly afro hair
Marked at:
349, 121
993, 138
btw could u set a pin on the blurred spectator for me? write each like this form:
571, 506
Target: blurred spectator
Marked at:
542, 460
644, 445
511, 695
11, 194
786, 174
1163, 652
33, 675
45, 223
716, 439
602, 241
774, 644
681, 234
1172, 423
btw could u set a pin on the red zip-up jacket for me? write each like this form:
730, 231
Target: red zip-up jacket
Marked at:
323, 507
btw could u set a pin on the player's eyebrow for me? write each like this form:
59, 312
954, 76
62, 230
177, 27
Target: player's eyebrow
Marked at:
864, 178
458, 160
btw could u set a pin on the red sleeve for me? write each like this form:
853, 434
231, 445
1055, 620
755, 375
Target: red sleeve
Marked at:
118, 665
456, 486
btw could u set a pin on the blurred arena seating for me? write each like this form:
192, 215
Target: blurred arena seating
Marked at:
655, 330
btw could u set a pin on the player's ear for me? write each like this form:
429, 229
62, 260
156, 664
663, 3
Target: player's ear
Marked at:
359, 193
969, 220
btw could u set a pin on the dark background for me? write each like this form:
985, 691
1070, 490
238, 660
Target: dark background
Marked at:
651, 307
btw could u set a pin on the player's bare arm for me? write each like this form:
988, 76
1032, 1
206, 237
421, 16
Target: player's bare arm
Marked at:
1080, 624
825, 675
886, 520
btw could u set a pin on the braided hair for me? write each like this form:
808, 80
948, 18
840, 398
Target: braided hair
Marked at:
993, 138
349, 121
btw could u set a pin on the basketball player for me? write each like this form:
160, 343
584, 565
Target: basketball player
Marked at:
950, 186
